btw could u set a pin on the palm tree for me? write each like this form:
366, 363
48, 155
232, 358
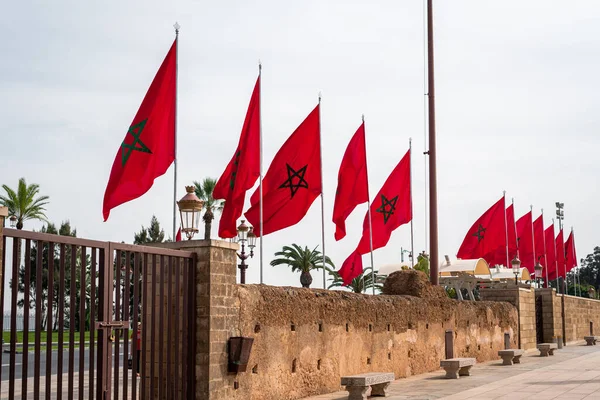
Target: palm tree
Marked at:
204, 192
303, 260
360, 284
25, 203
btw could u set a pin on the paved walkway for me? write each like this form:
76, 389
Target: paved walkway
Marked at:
572, 373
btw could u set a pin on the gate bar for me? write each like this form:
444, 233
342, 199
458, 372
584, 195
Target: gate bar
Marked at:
72, 306
161, 324
49, 315
26, 305
93, 267
61, 321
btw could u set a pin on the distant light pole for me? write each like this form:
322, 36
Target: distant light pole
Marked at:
560, 215
516, 267
245, 234
402, 251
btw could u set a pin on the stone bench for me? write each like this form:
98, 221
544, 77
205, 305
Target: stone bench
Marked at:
456, 367
357, 385
591, 340
510, 356
547, 349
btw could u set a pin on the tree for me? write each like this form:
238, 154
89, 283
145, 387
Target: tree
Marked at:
25, 203
204, 191
361, 284
423, 263
152, 234
302, 260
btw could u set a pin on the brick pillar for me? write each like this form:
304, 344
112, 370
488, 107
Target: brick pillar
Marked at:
217, 312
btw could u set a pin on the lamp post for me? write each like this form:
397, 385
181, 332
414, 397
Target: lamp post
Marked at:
516, 267
402, 251
13, 221
560, 215
538, 272
245, 234
190, 207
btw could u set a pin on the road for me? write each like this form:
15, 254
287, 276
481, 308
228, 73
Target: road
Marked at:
31, 359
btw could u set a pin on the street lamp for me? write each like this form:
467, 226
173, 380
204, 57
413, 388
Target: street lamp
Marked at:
538, 272
402, 251
13, 221
516, 267
190, 207
245, 234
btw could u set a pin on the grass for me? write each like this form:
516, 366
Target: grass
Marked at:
44, 336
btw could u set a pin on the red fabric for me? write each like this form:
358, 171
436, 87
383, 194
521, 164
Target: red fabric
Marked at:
525, 242
560, 254
538, 236
550, 252
178, 236
391, 208
486, 235
570, 255
139, 161
498, 256
242, 171
353, 184
293, 180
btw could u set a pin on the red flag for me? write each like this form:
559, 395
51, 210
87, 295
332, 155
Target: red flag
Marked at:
498, 256
538, 236
486, 235
353, 185
293, 180
560, 254
178, 236
390, 209
570, 255
525, 242
149, 145
550, 252
242, 171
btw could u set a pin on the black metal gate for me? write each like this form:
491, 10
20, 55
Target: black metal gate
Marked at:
539, 320
97, 311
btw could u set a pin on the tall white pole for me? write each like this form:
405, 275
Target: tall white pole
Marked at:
260, 185
545, 254
370, 225
176, 26
412, 217
322, 200
556, 261
505, 227
533, 237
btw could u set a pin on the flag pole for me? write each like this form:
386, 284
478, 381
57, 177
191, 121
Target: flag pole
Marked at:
533, 237
555, 261
512, 199
370, 226
505, 226
322, 200
412, 241
545, 253
260, 185
176, 26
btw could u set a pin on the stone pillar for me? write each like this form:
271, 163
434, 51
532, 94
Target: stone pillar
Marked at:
3, 215
217, 313
552, 317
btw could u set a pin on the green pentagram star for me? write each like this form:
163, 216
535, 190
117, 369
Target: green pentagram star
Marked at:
137, 145
236, 163
292, 173
385, 203
479, 233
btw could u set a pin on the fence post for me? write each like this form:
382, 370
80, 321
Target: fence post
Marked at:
3, 215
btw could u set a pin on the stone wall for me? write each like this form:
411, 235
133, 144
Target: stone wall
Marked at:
305, 340
524, 300
579, 312
551, 314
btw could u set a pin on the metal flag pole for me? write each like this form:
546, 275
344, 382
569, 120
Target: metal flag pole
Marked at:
412, 240
575, 284
512, 199
176, 26
322, 200
260, 185
555, 261
533, 236
546, 284
505, 226
370, 225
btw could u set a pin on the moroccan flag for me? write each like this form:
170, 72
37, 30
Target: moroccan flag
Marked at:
178, 236
550, 252
149, 145
525, 242
570, 254
242, 171
486, 235
293, 180
538, 236
353, 185
560, 254
390, 209
498, 257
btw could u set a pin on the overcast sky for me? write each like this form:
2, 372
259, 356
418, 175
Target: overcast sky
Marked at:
516, 85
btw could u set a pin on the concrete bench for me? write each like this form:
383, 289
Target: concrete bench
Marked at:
510, 356
591, 340
547, 349
456, 367
357, 385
